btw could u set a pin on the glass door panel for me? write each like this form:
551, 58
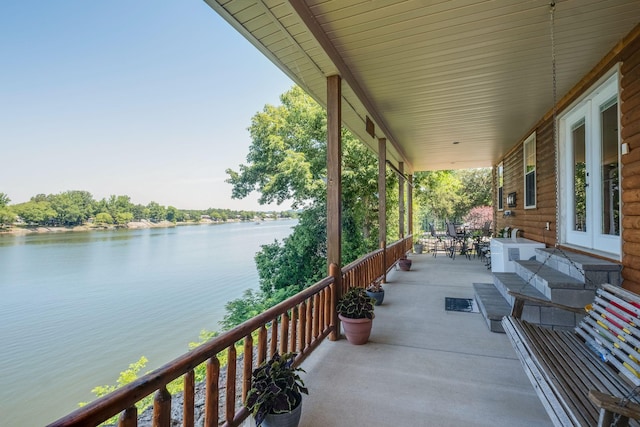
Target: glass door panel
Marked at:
579, 177
609, 168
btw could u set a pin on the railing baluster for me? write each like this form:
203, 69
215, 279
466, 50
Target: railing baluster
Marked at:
230, 407
273, 345
188, 407
128, 417
162, 408
327, 308
248, 366
321, 308
302, 311
309, 321
262, 344
212, 393
316, 315
293, 344
284, 333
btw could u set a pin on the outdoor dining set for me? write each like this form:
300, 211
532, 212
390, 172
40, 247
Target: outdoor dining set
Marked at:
459, 239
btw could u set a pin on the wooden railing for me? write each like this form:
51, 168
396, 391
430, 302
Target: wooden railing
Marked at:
298, 325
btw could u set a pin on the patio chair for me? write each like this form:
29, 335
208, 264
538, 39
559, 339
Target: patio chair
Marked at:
437, 238
456, 239
481, 243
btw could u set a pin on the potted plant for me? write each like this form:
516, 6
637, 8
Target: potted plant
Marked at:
404, 263
376, 292
275, 397
418, 247
355, 310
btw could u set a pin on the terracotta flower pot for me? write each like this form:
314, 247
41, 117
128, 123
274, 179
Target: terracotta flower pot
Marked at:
357, 331
405, 264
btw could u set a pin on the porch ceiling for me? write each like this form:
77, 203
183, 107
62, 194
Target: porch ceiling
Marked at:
433, 72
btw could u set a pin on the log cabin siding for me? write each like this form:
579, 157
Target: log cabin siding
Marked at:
630, 132
532, 222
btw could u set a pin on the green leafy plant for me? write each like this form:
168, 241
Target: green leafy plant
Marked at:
356, 304
276, 387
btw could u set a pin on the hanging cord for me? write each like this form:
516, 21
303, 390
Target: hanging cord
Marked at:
552, 10
552, 15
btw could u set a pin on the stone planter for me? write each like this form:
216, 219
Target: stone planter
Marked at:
378, 296
289, 419
418, 248
357, 331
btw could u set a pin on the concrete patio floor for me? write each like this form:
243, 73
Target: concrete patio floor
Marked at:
423, 366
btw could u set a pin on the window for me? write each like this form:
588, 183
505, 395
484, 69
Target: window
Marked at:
530, 172
500, 185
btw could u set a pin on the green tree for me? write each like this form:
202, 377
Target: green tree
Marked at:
123, 218
476, 189
287, 162
68, 212
115, 205
157, 212
7, 217
4, 200
36, 213
104, 218
173, 214
438, 194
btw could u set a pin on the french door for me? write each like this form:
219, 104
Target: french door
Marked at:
590, 196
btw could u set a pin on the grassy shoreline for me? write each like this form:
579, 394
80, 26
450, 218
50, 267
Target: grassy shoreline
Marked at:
21, 230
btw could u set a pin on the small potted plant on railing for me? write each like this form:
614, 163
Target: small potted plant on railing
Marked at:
275, 397
355, 310
376, 292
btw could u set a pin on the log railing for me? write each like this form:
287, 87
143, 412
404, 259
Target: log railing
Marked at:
297, 325
371, 267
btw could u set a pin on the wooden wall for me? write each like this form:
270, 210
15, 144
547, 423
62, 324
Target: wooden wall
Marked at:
630, 119
532, 222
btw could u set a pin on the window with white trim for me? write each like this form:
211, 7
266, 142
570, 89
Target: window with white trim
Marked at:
529, 154
500, 187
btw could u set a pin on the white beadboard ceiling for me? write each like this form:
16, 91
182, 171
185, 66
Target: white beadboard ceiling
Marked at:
433, 72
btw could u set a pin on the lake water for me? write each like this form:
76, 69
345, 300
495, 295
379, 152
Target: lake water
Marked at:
77, 308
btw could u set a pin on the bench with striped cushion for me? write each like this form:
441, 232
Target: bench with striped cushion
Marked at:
582, 376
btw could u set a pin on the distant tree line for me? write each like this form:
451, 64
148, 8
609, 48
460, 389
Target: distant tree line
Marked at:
72, 208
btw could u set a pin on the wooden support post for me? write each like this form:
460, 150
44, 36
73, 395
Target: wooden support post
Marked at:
401, 199
410, 203
382, 203
334, 170
334, 193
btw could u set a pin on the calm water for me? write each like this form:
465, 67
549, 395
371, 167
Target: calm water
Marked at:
77, 308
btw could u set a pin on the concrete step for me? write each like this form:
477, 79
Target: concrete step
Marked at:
492, 305
554, 318
585, 268
555, 285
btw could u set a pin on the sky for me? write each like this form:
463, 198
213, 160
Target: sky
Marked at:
147, 98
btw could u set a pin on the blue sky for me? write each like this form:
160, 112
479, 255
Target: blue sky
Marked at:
146, 98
